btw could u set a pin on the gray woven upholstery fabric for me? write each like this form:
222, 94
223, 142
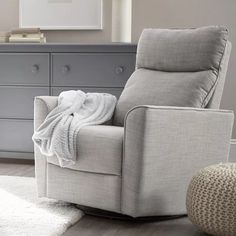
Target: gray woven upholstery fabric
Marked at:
42, 106
211, 199
186, 50
99, 150
163, 148
89, 189
81, 187
149, 87
176, 68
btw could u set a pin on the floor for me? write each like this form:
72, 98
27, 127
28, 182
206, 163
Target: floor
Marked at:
96, 226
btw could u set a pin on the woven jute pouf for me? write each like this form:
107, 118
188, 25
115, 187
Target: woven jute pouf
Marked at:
211, 200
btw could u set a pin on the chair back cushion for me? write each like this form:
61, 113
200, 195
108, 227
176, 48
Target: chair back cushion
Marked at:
174, 68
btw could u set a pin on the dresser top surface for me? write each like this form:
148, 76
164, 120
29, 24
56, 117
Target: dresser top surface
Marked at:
70, 47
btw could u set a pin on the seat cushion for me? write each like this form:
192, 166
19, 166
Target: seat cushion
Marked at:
99, 150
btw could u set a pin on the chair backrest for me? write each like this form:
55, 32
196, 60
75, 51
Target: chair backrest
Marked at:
177, 67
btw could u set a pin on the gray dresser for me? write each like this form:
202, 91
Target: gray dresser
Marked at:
30, 70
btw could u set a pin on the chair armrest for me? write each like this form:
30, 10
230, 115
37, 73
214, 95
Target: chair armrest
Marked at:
42, 106
163, 148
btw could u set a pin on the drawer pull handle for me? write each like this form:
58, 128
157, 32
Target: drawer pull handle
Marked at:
35, 69
119, 70
65, 69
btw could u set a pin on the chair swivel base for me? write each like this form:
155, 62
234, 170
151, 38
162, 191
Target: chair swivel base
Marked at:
116, 216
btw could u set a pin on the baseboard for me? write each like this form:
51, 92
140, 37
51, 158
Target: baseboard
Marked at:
232, 154
233, 141
16, 161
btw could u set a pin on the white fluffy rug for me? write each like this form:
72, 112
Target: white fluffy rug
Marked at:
23, 214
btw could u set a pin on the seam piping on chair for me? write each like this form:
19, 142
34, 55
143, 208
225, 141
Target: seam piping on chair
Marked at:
123, 156
167, 71
122, 161
40, 99
186, 109
211, 91
46, 177
46, 163
88, 172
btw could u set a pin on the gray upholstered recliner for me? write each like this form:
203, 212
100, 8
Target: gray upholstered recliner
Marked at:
141, 165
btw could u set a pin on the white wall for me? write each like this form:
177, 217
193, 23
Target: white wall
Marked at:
191, 13
121, 20
9, 18
9, 14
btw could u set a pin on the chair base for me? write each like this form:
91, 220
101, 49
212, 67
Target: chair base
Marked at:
116, 216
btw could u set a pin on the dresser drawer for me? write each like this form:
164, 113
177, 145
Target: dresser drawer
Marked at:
24, 69
18, 102
92, 69
115, 91
15, 135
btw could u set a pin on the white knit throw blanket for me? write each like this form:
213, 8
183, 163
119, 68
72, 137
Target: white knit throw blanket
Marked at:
57, 135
